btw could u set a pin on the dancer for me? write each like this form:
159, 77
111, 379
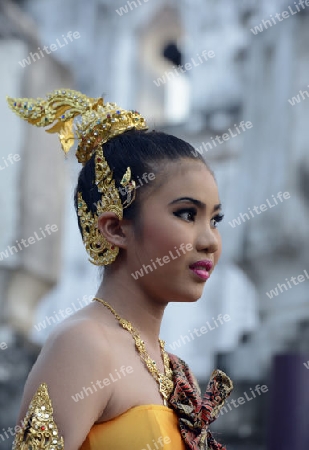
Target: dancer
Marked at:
103, 380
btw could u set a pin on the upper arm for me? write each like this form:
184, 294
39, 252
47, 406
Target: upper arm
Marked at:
72, 360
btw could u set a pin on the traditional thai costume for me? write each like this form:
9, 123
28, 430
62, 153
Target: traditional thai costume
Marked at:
183, 423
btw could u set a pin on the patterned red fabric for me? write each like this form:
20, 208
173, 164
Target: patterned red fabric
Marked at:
196, 413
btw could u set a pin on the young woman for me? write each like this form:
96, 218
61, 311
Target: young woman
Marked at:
147, 207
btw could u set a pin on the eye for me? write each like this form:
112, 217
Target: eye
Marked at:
215, 220
190, 212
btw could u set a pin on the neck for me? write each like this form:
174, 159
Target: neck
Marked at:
131, 304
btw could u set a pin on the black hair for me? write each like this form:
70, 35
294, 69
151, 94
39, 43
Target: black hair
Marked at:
142, 151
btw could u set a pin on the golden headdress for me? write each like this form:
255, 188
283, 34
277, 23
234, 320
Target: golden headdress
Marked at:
99, 122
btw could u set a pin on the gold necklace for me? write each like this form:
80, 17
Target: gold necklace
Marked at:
164, 380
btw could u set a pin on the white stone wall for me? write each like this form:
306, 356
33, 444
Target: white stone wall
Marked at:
13, 133
32, 189
250, 79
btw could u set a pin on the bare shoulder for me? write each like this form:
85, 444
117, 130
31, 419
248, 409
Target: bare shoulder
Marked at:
75, 355
74, 345
79, 336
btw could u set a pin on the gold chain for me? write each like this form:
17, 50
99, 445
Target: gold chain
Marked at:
164, 380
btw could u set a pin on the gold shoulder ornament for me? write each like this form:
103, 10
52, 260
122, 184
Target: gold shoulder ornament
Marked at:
39, 431
98, 123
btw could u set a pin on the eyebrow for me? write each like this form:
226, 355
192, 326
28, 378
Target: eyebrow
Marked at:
198, 203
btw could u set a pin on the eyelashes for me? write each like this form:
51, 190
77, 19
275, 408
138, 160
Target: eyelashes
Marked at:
193, 212
180, 212
218, 218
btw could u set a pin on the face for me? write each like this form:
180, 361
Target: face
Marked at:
178, 229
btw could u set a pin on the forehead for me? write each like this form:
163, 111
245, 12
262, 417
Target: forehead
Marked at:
187, 178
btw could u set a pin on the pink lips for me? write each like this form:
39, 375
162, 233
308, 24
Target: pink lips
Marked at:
202, 268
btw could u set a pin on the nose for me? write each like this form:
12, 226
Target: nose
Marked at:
208, 240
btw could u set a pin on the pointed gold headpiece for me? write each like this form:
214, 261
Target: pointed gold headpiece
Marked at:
99, 122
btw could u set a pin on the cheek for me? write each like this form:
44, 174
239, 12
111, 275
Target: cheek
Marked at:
159, 237
160, 240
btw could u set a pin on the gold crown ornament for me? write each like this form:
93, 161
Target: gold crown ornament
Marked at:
98, 123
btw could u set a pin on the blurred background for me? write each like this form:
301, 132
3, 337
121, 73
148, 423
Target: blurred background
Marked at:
232, 78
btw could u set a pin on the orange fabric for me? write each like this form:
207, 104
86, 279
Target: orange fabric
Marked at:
145, 427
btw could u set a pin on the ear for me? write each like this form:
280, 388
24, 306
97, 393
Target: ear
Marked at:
114, 230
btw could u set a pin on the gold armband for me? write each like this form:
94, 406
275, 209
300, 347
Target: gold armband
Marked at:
39, 431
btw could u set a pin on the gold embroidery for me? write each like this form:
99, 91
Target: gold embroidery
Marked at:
39, 431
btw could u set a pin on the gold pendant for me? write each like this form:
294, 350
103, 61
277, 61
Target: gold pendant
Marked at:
165, 380
165, 386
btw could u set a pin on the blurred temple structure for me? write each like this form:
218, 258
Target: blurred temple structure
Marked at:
230, 78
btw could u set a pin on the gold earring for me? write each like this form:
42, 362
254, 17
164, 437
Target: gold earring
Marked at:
100, 250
